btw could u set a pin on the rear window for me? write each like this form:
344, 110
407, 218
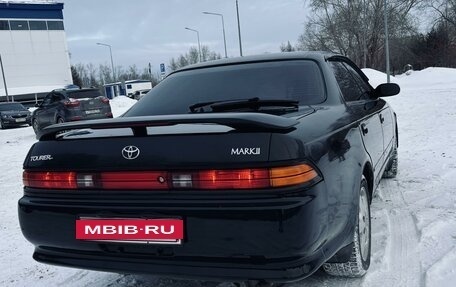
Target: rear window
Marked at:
84, 94
299, 80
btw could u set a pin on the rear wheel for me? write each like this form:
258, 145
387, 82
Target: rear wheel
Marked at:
360, 257
60, 120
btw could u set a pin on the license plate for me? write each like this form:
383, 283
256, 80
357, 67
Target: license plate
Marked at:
20, 120
147, 231
89, 112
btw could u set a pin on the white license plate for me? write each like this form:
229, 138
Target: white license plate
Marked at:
20, 120
89, 112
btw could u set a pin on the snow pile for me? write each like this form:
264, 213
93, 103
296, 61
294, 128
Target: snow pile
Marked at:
434, 77
376, 78
120, 105
413, 216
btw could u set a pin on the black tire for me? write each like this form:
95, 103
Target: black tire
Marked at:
1, 125
360, 257
60, 120
391, 169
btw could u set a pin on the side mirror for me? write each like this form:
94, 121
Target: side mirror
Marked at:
387, 90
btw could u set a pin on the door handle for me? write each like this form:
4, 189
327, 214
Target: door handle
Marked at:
364, 129
382, 119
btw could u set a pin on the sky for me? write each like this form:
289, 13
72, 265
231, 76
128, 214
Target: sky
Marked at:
143, 31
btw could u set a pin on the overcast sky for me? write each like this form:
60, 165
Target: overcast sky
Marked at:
143, 31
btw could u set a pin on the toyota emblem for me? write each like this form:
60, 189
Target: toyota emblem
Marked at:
130, 152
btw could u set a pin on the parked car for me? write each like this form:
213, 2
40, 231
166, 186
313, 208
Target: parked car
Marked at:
139, 94
252, 168
13, 114
70, 105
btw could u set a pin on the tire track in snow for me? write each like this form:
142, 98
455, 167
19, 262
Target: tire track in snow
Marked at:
402, 256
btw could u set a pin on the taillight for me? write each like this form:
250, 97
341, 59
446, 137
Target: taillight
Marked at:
229, 179
232, 179
51, 180
292, 175
72, 103
134, 180
104, 100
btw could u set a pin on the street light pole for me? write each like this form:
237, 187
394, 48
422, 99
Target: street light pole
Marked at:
199, 45
239, 28
387, 45
4, 79
112, 62
223, 27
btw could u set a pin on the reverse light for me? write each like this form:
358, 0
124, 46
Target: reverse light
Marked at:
229, 179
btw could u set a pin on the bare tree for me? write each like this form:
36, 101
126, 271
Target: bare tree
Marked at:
287, 47
355, 27
192, 57
445, 9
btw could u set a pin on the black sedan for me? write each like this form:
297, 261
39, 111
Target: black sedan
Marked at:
13, 114
253, 168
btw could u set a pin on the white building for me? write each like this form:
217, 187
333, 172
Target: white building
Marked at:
127, 88
33, 48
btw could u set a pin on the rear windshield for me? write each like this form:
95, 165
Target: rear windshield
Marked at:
299, 80
84, 94
12, 107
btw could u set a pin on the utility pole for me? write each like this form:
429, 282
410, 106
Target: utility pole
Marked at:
364, 35
239, 28
4, 80
199, 45
387, 45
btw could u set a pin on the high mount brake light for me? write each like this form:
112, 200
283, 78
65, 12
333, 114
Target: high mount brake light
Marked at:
229, 179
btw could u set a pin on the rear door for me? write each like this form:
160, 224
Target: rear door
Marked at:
45, 114
357, 97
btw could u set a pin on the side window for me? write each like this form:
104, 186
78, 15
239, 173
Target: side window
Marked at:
56, 97
47, 100
347, 84
365, 88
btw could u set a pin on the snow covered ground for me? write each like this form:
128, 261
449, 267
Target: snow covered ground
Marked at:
413, 216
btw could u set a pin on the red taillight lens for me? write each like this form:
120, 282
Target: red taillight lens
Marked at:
259, 178
52, 180
104, 100
232, 179
72, 103
134, 180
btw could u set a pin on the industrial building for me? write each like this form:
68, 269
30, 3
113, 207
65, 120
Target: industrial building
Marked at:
33, 49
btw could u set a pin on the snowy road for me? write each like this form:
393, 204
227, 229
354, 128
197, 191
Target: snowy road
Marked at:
413, 216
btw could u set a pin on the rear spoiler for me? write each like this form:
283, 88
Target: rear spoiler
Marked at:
239, 121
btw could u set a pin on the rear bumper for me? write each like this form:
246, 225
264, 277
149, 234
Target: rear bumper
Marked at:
13, 123
275, 239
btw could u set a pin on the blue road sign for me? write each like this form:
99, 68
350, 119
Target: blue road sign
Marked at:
162, 68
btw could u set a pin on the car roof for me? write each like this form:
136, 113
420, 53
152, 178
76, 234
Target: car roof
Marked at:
6, 103
309, 55
70, 91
